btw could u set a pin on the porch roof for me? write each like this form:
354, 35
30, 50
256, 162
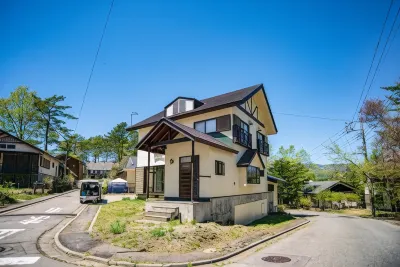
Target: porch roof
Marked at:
248, 157
164, 132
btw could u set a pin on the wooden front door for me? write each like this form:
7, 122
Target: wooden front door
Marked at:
185, 176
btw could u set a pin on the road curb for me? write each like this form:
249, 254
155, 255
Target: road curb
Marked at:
181, 264
94, 220
33, 203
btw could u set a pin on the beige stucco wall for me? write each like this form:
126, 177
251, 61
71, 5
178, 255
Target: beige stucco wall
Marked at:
246, 213
275, 192
51, 171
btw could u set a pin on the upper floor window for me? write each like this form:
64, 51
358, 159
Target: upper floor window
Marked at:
3, 145
241, 132
218, 124
262, 144
45, 163
181, 104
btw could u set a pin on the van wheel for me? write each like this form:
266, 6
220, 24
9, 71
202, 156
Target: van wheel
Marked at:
82, 202
94, 201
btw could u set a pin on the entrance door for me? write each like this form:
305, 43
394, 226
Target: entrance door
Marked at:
185, 173
159, 179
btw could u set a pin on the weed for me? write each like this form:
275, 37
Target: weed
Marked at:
189, 264
117, 227
158, 232
87, 253
126, 198
174, 223
193, 222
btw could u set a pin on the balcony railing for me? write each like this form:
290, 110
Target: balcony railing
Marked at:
263, 147
241, 136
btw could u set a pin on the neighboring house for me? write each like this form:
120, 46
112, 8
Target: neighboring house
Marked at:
75, 167
23, 163
313, 188
97, 170
127, 171
207, 158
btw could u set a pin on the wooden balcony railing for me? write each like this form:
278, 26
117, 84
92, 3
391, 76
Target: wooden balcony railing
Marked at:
241, 136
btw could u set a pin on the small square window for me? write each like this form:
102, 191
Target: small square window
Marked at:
200, 126
3, 146
10, 146
219, 168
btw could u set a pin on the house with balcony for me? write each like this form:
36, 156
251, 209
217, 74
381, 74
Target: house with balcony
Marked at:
206, 159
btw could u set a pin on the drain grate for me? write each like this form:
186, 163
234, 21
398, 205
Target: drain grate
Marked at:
276, 259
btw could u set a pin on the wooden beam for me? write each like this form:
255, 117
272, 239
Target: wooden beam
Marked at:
169, 142
148, 172
192, 174
251, 116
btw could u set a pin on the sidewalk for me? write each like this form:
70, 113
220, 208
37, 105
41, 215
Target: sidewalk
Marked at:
26, 203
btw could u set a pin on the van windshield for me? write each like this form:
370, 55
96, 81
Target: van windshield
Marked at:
90, 189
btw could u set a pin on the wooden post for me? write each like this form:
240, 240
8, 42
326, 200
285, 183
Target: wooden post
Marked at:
148, 172
192, 173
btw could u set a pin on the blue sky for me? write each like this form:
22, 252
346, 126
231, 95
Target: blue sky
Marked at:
312, 56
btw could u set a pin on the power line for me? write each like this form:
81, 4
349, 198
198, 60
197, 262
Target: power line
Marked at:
94, 63
373, 58
307, 116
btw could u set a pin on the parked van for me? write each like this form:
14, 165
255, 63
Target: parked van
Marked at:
90, 191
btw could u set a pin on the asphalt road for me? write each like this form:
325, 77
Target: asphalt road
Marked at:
334, 240
19, 230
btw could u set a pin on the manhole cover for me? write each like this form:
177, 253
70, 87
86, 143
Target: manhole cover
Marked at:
276, 259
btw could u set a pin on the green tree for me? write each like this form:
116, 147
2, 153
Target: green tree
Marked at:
19, 116
323, 197
121, 141
289, 164
53, 118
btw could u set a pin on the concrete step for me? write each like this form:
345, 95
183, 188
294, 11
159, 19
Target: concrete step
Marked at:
163, 214
157, 218
164, 209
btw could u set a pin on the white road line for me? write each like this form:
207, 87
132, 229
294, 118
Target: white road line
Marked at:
34, 219
53, 210
7, 232
18, 261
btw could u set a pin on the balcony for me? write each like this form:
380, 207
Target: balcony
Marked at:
263, 147
241, 136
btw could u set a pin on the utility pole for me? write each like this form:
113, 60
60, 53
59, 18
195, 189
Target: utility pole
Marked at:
364, 143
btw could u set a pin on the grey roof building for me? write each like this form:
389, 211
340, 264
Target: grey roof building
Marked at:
319, 186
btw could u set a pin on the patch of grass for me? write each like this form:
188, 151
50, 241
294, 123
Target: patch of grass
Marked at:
174, 223
272, 220
193, 222
126, 198
158, 232
117, 227
355, 212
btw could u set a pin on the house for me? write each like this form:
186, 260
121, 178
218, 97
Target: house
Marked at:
75, 166
313, 188
24, 164
97, 170
127, 171
205, 159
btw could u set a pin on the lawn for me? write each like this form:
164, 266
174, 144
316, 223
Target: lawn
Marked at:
13, 195
354, 212
116, 224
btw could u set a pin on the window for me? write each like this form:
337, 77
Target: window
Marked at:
45, 163
271, 188
219, 168
261, 173
53, 164
253, 175
262, 144
10, 146
213, 125
2, 145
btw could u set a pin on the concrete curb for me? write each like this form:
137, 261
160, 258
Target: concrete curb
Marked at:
180, 264
33, 203
94, 220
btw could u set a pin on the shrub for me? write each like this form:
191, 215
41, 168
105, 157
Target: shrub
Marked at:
305, 202
353, 197
158, 232
126, 198
193, 222
117, 227
48, 182
281, 208
104, 187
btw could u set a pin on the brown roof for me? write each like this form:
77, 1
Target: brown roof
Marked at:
191, 133
212, 103
248, 157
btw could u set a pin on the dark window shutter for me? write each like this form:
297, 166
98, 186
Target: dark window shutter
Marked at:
262, 173
224, 123
236, 120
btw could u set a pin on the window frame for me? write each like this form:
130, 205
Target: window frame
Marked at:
254, 179
3, 146
11, 146
217, 130
218, 164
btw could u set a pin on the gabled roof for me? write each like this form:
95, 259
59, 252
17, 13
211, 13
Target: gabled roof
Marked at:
248, 157
210, 104
4, 133
157, 134
318, 186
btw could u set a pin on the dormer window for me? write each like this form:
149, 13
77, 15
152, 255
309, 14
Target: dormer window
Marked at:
181, 104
